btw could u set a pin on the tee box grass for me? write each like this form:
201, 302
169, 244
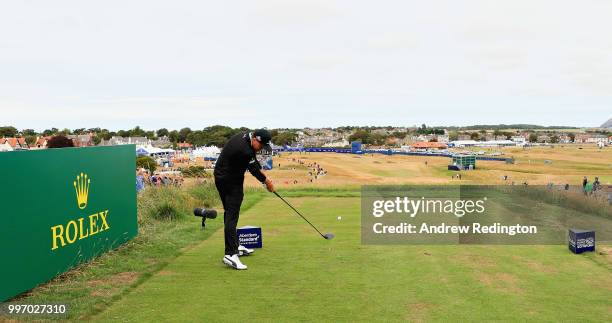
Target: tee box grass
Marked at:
298, 276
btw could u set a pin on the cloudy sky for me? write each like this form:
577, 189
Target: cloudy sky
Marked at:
282, 63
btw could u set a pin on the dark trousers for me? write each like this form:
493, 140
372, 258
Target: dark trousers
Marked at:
231, 195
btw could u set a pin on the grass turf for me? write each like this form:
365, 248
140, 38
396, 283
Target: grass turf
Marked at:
300, 276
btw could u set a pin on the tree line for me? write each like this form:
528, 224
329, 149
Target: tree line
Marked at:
214, 135
218, 135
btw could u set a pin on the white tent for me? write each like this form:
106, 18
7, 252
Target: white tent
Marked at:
154, 151
206, 152
473, 143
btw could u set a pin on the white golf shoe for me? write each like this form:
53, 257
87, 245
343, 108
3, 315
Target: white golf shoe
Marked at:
234, 262
244, 251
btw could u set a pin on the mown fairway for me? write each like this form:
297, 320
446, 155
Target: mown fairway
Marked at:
300, 276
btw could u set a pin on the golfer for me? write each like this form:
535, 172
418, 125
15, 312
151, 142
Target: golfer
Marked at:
236, 158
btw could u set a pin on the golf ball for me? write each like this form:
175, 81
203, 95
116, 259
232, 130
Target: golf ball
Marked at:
339, 218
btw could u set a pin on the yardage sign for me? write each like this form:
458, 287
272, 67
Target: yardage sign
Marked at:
60, 208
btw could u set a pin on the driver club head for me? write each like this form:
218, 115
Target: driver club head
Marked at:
328, 236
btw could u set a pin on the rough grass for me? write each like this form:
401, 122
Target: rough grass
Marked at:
195, 171
206, 195
566, 199
164, 203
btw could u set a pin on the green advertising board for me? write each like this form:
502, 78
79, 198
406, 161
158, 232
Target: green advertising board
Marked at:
60, 208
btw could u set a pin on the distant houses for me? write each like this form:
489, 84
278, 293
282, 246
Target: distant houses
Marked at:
385, 138
87, 140
116, 140
474, 143
519, 140
543, 138
184, 146
4, 146
11, 144
138, 141
428, 145
325, 137
588, 138
338, 144
597, 139
82, 140
41, 143
77, 140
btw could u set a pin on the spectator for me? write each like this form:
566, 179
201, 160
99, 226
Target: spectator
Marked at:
596, 184
140, 182
588, 189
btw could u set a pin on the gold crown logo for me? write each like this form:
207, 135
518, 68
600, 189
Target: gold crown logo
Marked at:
81, 186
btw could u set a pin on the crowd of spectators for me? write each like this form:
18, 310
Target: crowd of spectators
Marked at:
144, 178
315, 171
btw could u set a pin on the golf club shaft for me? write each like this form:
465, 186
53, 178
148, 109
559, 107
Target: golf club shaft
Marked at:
296, 211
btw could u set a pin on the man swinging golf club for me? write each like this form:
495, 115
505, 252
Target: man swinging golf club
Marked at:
235, 159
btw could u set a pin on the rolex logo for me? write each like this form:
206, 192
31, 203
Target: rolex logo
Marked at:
81, 228
81, 186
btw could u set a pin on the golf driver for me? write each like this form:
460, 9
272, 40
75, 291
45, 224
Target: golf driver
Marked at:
327, 236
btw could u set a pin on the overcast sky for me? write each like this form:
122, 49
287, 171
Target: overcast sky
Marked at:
282, 63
